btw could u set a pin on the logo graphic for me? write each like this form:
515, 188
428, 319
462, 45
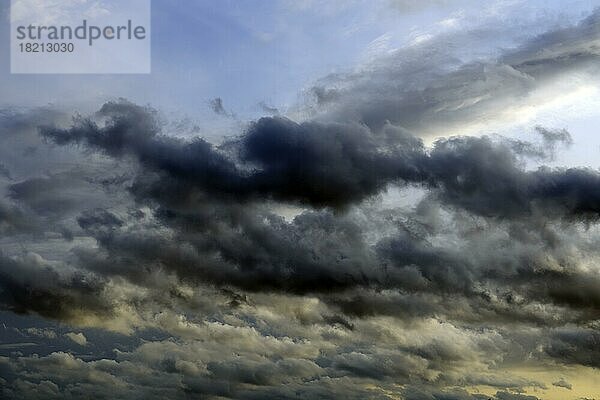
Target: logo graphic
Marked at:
80, 36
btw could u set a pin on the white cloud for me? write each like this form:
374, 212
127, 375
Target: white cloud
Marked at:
78, 338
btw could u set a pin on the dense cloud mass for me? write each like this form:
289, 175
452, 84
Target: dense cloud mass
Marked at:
282, 263
335, 165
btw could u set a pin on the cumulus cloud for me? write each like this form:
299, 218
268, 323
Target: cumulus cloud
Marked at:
41, 332
78, 338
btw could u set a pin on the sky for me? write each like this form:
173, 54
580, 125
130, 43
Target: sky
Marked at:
308, 199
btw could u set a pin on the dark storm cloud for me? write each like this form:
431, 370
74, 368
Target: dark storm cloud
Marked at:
325, 164
329, 164
486, 178
313, 163
252, 250
240, 243
322, 253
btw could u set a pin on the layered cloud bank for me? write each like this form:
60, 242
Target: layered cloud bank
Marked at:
284, 261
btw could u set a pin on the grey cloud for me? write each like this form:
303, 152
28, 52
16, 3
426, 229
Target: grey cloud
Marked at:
32, 285
16, 122
14, 221
55, 195
563, 384
5, 172
576, 346
558, 50
408, 7
216, 105
271, 253
19, 138
514, 396
269, 110
426, 88
98, 218
425, 393
377, 366
552, 136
